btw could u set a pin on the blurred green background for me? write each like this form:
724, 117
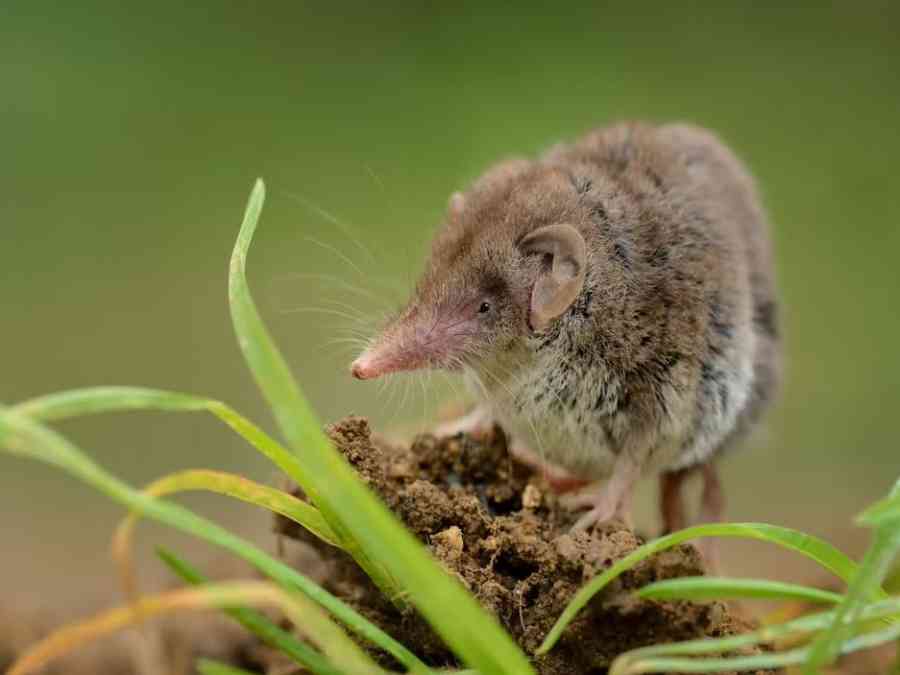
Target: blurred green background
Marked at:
131, 133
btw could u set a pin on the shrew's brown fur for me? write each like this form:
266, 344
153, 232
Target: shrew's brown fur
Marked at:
669, 351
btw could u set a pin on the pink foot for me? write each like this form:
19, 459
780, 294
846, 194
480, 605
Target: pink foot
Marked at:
607, 501
603, 505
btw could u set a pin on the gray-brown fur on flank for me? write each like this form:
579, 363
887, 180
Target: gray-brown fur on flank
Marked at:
671, 350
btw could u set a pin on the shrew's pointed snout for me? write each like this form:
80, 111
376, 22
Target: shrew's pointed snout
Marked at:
388, 355
381, 359
410, 345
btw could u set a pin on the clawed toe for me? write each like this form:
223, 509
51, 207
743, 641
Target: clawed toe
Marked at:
602, 506
596, 516
605, 502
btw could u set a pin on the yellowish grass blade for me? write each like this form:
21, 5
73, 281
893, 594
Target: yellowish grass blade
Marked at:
222, 483
340, 650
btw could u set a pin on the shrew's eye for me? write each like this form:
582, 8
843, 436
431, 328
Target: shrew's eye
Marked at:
484, 308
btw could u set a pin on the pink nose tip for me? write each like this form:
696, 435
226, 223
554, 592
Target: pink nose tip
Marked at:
361, 370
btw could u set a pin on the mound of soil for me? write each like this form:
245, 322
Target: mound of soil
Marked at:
493, 524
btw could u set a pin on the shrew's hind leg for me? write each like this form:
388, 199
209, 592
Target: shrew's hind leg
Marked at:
712, 503
712, 510
671, 500
712, 506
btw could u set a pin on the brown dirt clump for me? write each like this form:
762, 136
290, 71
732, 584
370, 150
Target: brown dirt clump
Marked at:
495, 526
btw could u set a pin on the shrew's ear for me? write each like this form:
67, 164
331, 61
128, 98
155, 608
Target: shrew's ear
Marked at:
562, 272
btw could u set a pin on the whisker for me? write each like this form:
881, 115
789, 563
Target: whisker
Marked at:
424, 419
453, 384
335, 281
320, 310
334, 250
383, 188
345, 229
354, 341
405, 396
351, 312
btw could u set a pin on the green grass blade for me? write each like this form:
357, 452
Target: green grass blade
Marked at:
249, 491
295, 418
867, 580
820, 551
107, 399
210, 667
801, 626
892, 581
873, 570
64, 405
97, 400
255, 622
712, 665
24, 437
717, 588
768, 661
881, 512
475, 636
664, 658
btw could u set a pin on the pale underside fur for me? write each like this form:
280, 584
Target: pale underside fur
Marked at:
551, 410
